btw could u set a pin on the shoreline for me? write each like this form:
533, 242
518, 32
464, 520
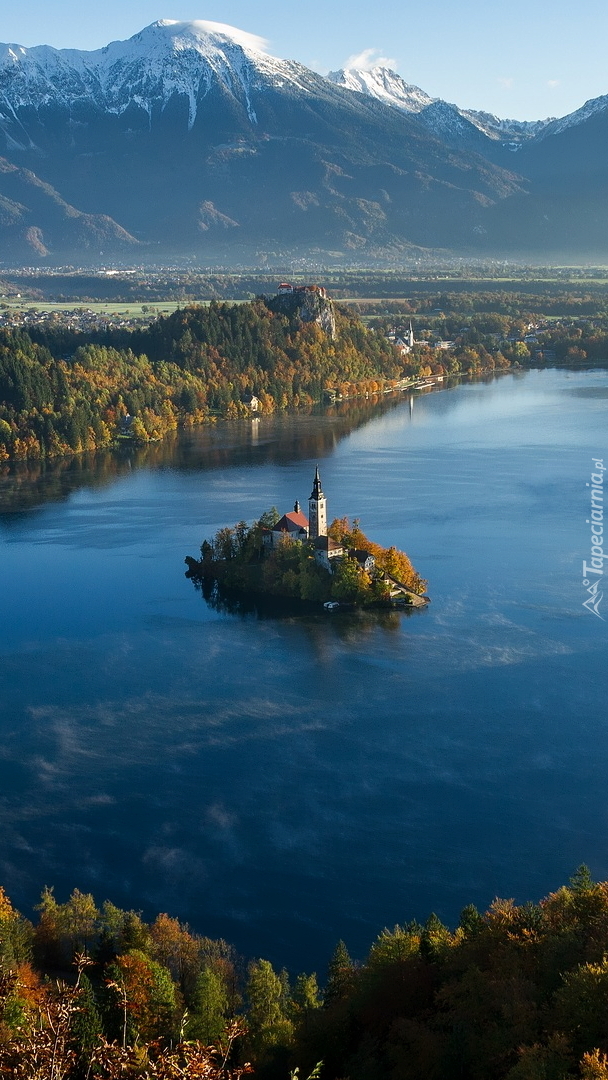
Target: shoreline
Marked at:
419, 383
234, 595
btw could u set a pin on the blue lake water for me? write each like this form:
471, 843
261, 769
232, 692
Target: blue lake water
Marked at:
286, 782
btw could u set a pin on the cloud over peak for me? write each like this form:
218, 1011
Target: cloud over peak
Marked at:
368, 59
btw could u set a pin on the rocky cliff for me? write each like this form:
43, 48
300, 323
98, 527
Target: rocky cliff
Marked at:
309, 303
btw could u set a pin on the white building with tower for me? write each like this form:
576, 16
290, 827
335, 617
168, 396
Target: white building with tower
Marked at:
317, 509
296, 526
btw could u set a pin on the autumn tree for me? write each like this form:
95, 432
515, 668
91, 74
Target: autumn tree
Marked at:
143, 998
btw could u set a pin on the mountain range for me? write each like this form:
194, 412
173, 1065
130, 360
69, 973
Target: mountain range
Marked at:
189, 142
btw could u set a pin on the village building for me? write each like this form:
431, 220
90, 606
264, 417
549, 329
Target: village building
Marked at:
292, 526
285, 288
327, 551
317, 509
365, 559
296, 526
405, 341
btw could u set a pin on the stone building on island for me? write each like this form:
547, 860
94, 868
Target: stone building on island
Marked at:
293, 525
296, 526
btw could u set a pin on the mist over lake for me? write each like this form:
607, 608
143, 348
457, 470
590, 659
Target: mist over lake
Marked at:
286, 782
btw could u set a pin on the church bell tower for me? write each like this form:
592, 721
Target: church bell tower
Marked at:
317, 509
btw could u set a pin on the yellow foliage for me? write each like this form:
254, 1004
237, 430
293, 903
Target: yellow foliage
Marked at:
594, 1066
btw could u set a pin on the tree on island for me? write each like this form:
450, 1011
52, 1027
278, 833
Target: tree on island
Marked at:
236, 558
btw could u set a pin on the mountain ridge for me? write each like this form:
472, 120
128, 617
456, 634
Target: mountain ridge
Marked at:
267, 155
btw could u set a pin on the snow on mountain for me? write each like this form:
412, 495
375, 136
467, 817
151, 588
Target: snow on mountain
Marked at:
495, 128
188, 59
164, 59
383, 84
589, 109
440, 117
447, 121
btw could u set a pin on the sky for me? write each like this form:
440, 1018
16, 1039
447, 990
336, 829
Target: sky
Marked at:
520, 59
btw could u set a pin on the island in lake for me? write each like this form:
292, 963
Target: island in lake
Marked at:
300, 558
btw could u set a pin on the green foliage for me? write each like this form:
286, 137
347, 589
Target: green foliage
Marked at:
581, 1006
142, 998
208, 1013
305, 996
392, 945
350, 583
63, 392
517, 993
16, 936
471, 921
237, 557
269, 1026
581, 881
389, 561
86, 1024
435, 939
340, 974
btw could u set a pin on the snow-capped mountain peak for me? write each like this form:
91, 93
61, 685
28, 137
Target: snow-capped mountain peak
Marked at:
498, 129
589, 109
164, 59
447, 120
385, 85
202, 29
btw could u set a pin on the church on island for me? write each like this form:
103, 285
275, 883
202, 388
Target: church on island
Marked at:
296, 526
296, 558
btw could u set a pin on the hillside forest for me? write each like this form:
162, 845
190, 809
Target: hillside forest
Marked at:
519, 992
64, 391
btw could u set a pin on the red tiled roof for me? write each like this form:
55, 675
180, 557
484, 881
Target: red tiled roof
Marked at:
298, 518
291, 522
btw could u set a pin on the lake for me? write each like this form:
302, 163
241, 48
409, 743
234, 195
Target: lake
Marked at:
286, 782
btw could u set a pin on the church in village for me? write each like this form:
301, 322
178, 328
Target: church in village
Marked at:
296, 526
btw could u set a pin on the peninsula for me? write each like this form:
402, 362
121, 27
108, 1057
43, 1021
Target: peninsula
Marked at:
299, 557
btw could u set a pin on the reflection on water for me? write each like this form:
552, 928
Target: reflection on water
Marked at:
276, 439
349, 625
286, 781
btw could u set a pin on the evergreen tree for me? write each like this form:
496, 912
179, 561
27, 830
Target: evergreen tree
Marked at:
86, 1024
581, 880
470, 920
340, 975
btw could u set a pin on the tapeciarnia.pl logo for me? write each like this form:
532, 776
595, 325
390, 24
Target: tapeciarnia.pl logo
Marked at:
594, 571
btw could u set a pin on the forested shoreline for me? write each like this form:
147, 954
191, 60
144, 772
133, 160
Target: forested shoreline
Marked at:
519, 992
64, 391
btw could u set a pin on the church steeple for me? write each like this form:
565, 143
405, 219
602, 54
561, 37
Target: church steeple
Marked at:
316, 487
317, 509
